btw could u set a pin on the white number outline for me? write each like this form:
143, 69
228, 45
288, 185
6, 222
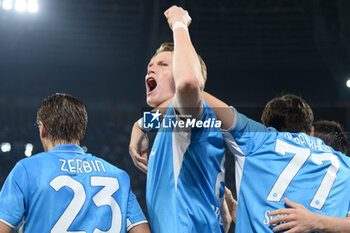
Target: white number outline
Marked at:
293, 167
103, 197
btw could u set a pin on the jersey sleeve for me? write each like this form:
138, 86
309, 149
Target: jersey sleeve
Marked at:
12, 197
134, 215
246, 135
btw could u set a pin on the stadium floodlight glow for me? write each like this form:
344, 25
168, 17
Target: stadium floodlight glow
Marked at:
7, 4
33, 6
5, 147
348, 83
21, 5
29, 149
27, 153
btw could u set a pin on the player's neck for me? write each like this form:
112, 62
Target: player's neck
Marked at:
164, 106
48, 145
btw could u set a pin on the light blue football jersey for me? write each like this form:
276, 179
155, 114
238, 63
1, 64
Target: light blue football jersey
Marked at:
271, 165
185, 178
67, 190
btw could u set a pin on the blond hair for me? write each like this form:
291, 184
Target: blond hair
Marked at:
169, 47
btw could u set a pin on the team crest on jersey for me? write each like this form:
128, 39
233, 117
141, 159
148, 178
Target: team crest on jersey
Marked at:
151, 120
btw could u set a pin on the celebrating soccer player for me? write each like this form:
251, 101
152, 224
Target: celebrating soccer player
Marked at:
65, 189
185, 176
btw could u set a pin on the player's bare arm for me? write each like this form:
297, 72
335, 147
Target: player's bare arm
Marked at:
298, 219
223, 112
189, 82
231, 204
226, 215
139, 143
142, 228
138, 147
4, 228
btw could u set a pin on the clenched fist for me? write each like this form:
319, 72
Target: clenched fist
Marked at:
177, 14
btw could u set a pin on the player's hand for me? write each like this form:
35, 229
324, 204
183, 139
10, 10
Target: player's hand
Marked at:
226, 217
231, 204
296, 219
177, 14
138, 147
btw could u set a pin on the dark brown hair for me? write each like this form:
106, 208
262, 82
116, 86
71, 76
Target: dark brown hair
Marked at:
64, 117
288, 113
333, 135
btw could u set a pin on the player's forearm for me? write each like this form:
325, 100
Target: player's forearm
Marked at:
4, 228
226, 218
328, 224
186, 65
222, 111
142, 228
187, 75
188, 99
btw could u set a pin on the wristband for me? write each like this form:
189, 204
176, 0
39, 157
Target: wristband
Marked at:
179, 25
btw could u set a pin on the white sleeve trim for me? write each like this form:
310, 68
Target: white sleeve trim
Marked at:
10, 225
234, 121
128, 228
239, 159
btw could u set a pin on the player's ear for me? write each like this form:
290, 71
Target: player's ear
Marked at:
312, 131
42, 130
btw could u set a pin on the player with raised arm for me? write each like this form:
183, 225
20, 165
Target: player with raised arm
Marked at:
185, 176
65, 189
271, 165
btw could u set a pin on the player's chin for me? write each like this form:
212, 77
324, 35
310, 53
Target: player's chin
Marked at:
151, 102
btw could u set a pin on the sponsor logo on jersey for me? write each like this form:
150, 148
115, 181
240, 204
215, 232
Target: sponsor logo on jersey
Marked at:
268, 218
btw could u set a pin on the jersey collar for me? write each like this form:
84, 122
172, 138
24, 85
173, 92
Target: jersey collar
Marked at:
68, 148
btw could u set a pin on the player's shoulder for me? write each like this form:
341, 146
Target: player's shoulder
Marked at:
246, 128
207, 109
29, 164
316, 145
111, 168
241, 122
36, 159
304, 140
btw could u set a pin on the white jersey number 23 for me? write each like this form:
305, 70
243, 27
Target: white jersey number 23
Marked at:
103, 197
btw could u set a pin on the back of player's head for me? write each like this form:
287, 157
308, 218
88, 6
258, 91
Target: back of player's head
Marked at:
288, 113
169, 47
332, 133
64, 117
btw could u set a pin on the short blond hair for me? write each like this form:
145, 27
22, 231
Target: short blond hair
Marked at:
169, 47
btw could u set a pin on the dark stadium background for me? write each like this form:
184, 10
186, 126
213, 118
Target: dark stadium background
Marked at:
98, 50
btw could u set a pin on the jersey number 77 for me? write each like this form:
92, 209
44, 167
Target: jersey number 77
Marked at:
293, 167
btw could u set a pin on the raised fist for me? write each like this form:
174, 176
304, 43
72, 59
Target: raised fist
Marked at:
177, 14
